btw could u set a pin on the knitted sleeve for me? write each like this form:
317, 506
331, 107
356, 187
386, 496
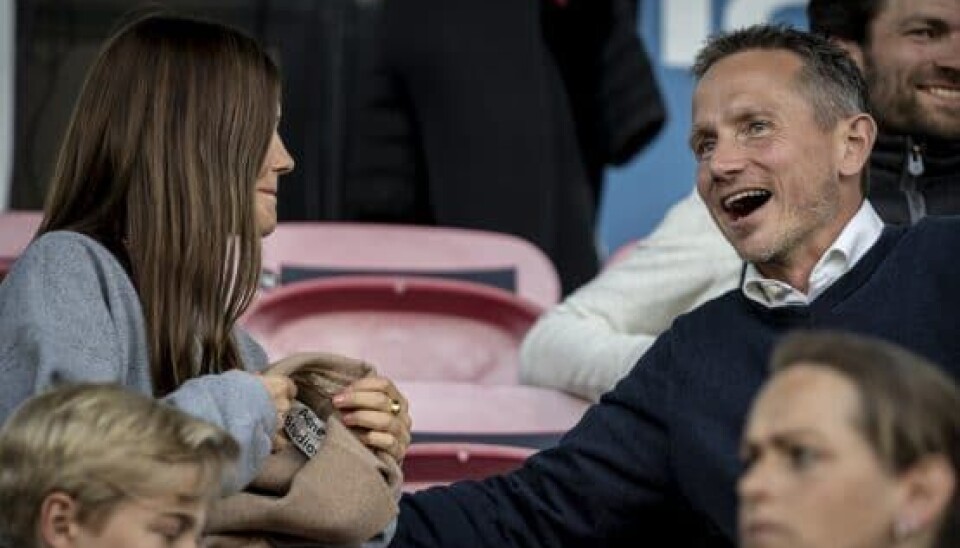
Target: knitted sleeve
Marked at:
69, 313
609, 481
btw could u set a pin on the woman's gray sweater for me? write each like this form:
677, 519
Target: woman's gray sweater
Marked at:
69, 313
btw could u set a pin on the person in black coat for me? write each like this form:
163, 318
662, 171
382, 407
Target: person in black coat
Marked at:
500, 115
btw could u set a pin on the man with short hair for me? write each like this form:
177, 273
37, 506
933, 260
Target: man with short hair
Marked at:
782, 138
910, 53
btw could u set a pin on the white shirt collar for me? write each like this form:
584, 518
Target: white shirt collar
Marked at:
863, 230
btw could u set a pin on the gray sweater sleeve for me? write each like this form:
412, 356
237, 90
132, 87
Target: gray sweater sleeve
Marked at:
237, 402
69, 313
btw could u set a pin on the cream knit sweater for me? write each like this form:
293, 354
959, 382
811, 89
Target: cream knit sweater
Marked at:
586, 344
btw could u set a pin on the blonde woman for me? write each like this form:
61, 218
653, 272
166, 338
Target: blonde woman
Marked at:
853, 442
150, 247
100, 466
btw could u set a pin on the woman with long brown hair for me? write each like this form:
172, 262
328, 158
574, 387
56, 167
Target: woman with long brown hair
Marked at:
150, 247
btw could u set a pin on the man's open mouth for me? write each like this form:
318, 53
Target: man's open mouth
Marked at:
745, 202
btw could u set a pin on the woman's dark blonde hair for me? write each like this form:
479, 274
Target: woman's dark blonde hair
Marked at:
159, 164
908, 409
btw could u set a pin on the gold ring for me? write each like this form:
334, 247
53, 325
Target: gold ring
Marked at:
395, 407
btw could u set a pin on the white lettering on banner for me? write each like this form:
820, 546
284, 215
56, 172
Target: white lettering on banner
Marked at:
743, 13
686, 24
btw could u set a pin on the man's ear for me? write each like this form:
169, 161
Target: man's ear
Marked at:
852, 48
57, 524
927, 488
857, 135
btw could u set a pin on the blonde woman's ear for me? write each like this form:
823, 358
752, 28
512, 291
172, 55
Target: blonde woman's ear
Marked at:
57, 523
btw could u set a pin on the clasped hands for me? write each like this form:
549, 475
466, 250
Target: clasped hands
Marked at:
372, 407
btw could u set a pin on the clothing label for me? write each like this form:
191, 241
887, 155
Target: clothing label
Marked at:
305, 429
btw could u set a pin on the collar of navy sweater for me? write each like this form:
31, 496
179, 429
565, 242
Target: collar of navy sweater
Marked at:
841, 289
940, 157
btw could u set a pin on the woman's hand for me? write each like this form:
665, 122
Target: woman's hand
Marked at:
282, 392
378, 413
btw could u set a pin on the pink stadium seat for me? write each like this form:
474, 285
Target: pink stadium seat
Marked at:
451, 346
409, 327
429, 464
6, 264
17, 228
515, 414
375, 248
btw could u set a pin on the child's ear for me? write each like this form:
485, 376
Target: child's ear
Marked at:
57, 523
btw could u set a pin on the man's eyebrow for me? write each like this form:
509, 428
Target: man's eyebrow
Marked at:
748, 112
930, 20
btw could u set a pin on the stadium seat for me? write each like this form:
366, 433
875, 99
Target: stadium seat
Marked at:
298, 250
451, 346
429, 464
444, 411
17, 228
410, 328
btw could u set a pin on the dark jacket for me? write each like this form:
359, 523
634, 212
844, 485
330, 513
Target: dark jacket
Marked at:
911, 177
500, 115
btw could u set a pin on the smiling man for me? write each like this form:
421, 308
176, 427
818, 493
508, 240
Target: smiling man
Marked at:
909, 51
780, 171
782, 138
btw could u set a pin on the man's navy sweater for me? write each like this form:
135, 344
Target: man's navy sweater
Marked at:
655, 462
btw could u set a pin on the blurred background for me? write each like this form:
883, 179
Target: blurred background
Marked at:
344, 62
